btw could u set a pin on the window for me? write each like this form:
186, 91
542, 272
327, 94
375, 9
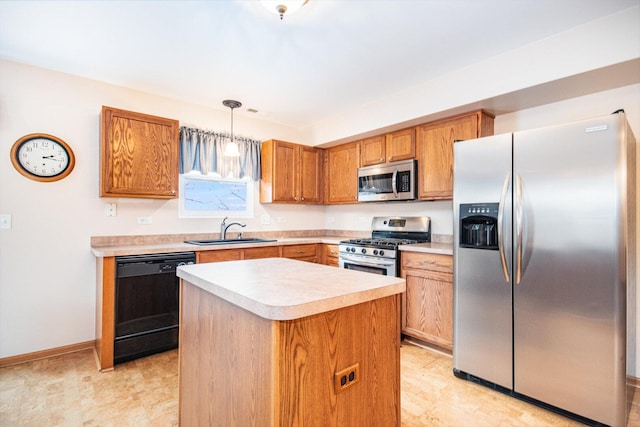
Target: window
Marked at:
205, 196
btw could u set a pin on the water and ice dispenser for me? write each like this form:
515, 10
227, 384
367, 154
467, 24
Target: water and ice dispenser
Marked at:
479, 225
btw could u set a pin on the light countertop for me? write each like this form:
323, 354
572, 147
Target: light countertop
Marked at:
430, 248
156, 248
285, 289
147, 247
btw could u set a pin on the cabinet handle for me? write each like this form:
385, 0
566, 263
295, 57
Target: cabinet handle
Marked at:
302, 198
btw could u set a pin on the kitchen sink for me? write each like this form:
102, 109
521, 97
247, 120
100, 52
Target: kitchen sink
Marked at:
228, 241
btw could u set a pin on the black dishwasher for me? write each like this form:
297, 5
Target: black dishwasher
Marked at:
147, 302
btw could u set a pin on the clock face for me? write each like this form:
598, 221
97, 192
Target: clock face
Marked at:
42, 157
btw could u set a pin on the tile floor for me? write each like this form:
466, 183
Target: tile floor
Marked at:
68, 390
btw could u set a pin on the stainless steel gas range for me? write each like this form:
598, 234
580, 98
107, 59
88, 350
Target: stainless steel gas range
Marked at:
379, 254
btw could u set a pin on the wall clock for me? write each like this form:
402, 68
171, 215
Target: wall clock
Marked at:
42, 157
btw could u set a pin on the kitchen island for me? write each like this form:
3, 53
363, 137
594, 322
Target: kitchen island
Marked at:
277, 341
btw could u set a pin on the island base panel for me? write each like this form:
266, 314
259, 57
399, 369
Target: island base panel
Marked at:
237, 368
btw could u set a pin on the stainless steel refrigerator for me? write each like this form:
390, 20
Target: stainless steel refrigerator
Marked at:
544, 265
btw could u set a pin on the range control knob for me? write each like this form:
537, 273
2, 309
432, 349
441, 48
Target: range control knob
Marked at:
375, 252
381, 252
364, 251
352, 249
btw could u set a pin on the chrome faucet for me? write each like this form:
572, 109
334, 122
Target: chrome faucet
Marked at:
224, 226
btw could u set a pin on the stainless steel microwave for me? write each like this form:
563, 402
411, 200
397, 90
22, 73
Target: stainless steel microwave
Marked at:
387, 182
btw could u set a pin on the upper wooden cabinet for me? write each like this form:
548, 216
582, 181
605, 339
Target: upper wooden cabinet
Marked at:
290, 173
391, 147
139, 155
373, 150
342, 173
434, 151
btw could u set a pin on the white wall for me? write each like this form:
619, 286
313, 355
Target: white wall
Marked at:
47, 272
611, 40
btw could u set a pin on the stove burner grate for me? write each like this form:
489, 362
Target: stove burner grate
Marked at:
381, 242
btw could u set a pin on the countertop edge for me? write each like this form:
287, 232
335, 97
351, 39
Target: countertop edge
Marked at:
430, 248
285, 312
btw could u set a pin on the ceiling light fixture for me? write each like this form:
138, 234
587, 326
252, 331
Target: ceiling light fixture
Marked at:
282, 6
231, 148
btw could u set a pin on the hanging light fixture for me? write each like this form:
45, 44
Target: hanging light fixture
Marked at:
282, 6
231, 148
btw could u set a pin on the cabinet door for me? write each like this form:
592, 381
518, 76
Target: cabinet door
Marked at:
372, 150
428, 307
342, 173
427, 304
285, 166
311, 164
401, 145
434, 149
139, 155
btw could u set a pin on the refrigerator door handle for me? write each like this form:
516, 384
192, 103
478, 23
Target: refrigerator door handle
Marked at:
503, 197
519, 219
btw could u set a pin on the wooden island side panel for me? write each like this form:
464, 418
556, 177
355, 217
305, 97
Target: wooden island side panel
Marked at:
226, 363
237, 368
312, 349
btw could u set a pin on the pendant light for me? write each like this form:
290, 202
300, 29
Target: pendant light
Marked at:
231, 148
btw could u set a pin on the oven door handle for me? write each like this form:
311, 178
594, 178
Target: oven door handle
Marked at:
362, 261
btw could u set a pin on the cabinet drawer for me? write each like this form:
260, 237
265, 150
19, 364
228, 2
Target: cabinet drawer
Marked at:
219, 255
299, 251
330, 254
424, 261
332, 250
264, 252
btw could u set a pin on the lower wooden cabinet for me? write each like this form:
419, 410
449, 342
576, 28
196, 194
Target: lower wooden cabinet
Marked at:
236, 254
262, 252
219, 255
330, 255
306, 252
427, 304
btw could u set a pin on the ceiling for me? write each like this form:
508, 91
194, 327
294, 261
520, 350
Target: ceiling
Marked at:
329, 57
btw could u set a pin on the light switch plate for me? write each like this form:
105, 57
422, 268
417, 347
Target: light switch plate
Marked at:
5, 221
144, 220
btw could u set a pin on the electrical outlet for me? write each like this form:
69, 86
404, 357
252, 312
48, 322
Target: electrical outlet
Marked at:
266, 219
347, 377
144, 220
281, 219
109, 209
